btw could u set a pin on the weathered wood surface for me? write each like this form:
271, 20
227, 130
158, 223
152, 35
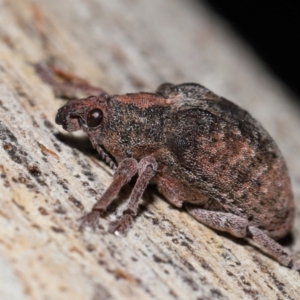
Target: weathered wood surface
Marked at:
123, 46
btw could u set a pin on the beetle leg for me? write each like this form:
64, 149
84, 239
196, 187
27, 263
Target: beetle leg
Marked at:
125, 171
239, 227
272, 247
146, 169
221, 221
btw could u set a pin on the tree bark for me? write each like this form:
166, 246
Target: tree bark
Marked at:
49, 178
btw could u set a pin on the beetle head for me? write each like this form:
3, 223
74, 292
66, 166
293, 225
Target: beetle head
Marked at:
87, 114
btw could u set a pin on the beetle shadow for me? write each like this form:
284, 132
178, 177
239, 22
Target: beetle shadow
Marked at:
81, 144
124, 195
148, 198
288, 240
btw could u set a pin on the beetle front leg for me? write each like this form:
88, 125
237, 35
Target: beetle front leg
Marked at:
125, 171
241, 228
146, 169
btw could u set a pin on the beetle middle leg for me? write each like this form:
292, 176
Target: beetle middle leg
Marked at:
240, 227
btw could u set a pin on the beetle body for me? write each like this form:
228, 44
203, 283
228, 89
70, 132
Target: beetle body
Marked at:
209, 155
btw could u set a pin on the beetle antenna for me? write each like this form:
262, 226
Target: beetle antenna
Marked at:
105, 157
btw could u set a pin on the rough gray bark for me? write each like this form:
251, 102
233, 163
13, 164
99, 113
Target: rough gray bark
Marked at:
49, 178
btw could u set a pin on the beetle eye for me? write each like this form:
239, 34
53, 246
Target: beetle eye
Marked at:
94, 117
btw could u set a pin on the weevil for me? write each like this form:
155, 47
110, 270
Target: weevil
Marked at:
202, 151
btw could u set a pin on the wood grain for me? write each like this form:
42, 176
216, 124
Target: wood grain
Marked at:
49, 178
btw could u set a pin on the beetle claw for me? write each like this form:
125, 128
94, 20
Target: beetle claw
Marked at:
121, 226
90, 219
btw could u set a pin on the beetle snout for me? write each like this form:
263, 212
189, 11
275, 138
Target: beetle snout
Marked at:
60, 116
68, 121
